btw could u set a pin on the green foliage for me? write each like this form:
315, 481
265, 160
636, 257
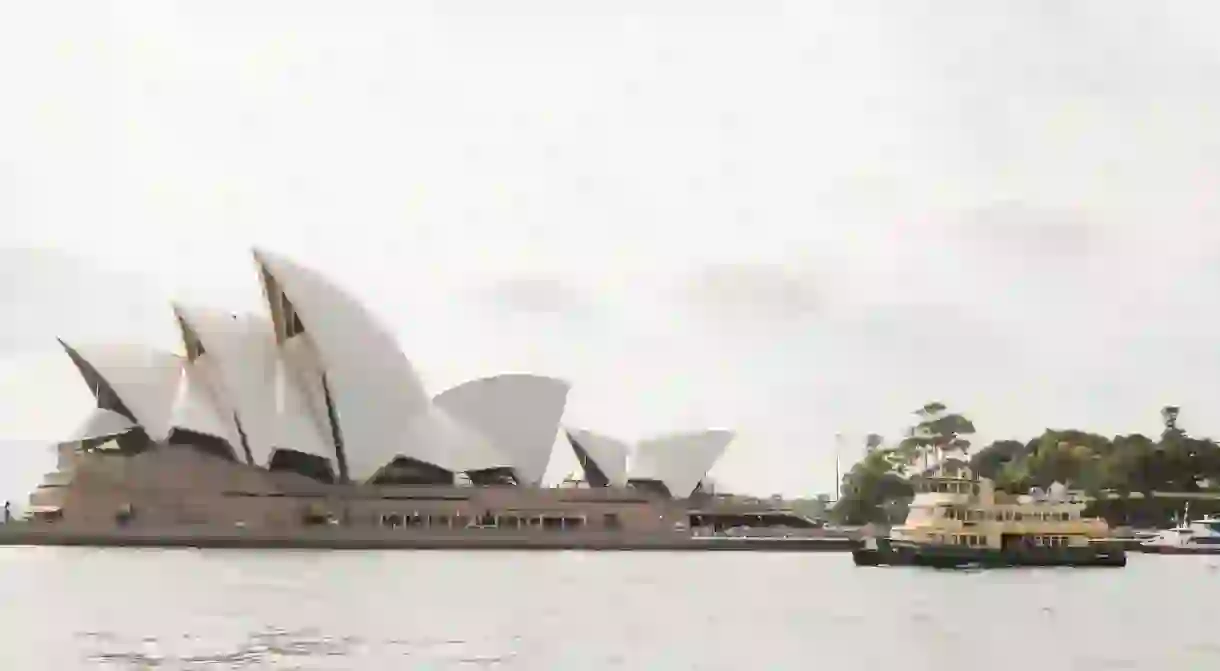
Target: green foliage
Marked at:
877, 488
1102, 466
873, 441
937, 433
868, 488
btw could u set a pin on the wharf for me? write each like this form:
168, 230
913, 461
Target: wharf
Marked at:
338, 538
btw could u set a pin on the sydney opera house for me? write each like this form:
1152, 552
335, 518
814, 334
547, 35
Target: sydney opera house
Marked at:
313, 416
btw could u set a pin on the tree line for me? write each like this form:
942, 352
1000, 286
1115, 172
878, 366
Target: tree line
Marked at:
1127, 476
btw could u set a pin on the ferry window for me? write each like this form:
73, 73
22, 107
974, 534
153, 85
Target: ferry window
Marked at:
510, 521
391, 520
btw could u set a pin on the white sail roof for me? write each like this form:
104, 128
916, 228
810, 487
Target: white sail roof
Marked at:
453, 444
375, 390
243, 367
518, 414
608, 454
196, 406
101, 423
301, 422
144, 381
679, 460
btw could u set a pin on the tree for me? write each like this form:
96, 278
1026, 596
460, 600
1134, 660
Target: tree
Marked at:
988, 461
873, 441
937, 432
868, 487
1123, 464
1169, 418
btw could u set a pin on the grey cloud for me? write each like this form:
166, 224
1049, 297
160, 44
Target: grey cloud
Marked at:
1015, 228
749, 291
537, 294
45, 294
942, 334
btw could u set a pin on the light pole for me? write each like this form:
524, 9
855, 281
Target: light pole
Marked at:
838, 477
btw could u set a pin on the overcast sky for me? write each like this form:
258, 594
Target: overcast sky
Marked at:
788, 218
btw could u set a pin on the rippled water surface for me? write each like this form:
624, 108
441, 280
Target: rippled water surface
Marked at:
66, 609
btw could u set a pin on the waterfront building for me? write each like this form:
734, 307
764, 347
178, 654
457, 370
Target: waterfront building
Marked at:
312, 415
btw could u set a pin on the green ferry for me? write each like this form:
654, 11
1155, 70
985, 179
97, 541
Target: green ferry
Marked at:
957, 520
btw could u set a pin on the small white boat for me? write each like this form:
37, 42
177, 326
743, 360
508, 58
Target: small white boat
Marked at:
1201, 536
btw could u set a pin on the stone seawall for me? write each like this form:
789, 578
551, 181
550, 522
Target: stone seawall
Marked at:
361, 539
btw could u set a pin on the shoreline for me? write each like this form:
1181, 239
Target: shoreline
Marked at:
345, 539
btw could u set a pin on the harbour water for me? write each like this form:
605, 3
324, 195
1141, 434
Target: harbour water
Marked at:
80, 608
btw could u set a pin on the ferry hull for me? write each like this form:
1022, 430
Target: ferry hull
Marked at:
887, 553
1178, 549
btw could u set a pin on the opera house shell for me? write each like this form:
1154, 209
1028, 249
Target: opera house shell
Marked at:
312, 414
